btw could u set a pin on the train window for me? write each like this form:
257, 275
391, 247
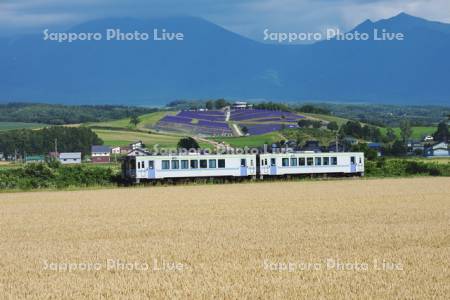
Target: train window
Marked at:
326, 161
175, 164
165, 164
273, 162
360, 160
203, 164
251, 163
194, 164
185, 164
285, 162
318, 161
352, 160
302, 161
334, 161
221, 163
151, 164
265, 162
294, 162
310, 161
212, 164
243, 162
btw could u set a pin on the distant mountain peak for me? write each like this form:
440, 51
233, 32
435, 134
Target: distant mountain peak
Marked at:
404, 15
213, 62
407, 22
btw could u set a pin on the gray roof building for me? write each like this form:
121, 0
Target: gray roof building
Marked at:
100, 149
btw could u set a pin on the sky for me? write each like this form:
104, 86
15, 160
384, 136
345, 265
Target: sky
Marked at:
246, 17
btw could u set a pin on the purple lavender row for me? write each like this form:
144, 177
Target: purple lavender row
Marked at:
176, 119
201, 116
213, 124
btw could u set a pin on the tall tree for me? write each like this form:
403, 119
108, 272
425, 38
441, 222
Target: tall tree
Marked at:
405, 129
209, 104
390, 135
134, 120
333, 126
442, 134
188, 143
221, 103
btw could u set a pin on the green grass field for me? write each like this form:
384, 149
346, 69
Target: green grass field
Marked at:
19, 125
338, 120
123, 138
439, 160
417, 132
251, 141
147, 121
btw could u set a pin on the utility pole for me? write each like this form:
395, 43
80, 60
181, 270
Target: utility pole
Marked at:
56, 146
337, 141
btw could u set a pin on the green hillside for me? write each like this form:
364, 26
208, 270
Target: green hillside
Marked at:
417, 132
124, 138
147, 121
19, 125
251, 141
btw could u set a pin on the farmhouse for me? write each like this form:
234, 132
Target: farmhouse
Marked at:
115, 150
124, 150
241, 105
100, 154
70, 158
439, 150
138, 152
137, 145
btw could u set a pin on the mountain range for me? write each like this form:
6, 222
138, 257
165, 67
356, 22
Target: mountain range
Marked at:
212, 62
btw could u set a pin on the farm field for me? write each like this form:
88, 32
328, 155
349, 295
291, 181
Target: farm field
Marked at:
124, 138
340, 121
19, 125
230, 241
147, 121
417, 132
250, 141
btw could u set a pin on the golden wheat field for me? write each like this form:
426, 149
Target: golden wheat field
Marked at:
385, 239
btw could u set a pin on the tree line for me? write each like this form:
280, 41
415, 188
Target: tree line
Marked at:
56, 114
68, 139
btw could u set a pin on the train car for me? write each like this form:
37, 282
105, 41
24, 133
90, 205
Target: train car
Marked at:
152, 167
275, 164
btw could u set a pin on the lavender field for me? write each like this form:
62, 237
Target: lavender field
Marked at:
214, 123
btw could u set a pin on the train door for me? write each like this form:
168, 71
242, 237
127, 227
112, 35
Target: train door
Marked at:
141, 169
273, 166
244, 167
131, 167
353, 164
151, 169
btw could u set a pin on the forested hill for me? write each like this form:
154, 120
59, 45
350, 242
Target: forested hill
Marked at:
65, 114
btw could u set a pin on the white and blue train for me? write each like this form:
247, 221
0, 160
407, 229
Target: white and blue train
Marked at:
159, 167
